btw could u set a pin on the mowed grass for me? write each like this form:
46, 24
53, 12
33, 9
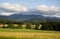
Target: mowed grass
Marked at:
28, 34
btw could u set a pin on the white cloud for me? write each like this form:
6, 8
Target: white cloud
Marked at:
6, 13
55, 9
14, 7
42, 7
48, 8
55, 15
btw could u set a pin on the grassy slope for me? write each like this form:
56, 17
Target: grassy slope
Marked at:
28, 34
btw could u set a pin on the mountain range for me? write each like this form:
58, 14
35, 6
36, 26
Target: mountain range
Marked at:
31, 17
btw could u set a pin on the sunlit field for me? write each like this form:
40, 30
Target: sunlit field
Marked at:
28, 34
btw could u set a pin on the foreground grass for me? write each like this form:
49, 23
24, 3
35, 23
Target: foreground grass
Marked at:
28, 34
27, 30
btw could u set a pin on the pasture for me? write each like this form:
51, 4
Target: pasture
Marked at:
28, 34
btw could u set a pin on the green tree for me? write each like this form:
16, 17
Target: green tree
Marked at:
28, 26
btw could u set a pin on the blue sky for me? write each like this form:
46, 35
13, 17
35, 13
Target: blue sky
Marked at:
32, 3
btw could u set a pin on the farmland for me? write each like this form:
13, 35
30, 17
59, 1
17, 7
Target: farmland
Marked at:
28, 34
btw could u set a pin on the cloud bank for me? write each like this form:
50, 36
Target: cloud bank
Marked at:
8, 9
52, 11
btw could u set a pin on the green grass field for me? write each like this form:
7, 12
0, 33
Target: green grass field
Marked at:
28, 34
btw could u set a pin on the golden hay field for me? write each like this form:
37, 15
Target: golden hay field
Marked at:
29, 35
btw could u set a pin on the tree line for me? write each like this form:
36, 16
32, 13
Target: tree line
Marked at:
45, 25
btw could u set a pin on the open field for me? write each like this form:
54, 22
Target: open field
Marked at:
28, 34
